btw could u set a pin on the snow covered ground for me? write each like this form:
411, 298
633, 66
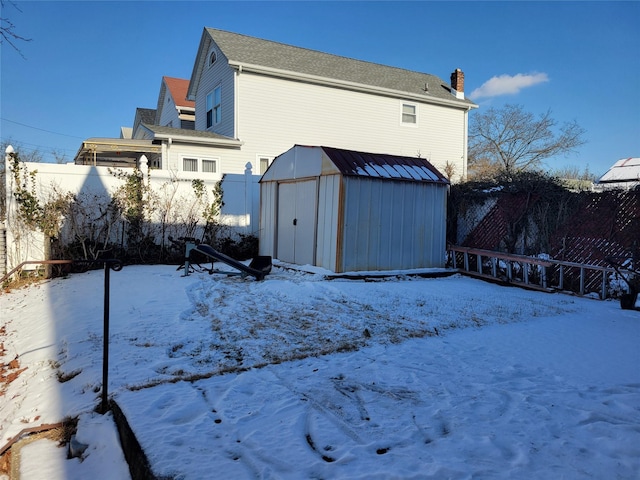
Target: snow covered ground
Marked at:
302, 377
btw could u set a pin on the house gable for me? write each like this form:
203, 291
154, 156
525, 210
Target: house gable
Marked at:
173, 109
143, 116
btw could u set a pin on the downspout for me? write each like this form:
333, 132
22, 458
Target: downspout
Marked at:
236, 101
166, 147
465, 157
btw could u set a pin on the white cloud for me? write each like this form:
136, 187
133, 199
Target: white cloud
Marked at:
508, 84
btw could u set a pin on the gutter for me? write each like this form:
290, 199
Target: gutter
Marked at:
330, 82
201, 140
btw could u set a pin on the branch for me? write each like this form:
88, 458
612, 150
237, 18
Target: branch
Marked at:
7, 32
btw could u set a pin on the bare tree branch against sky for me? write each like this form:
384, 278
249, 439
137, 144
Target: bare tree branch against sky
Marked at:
7, 28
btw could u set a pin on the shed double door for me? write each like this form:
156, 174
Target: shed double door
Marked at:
297, 222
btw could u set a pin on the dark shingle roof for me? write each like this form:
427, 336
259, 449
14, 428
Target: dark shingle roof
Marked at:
254, 51
146, 115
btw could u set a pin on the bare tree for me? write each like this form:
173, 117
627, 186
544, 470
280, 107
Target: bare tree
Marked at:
510, 139
7, 28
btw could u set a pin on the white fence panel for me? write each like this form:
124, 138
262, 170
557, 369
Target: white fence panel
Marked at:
173, 200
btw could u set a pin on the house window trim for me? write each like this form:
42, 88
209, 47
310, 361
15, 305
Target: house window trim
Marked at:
189, 157
213, 56
259, 159
402, 114
216, 108
199, 164
216, 162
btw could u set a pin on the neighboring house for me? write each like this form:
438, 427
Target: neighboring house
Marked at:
347, 211
174, 110
624, 174
254, 99
125, 151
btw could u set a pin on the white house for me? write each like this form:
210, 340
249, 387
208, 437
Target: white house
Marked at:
270, 96
174, 110
254, 99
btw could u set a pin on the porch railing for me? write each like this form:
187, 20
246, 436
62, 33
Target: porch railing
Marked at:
532, 272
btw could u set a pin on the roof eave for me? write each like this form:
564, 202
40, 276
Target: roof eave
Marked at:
205, 41
200, 140
331, 82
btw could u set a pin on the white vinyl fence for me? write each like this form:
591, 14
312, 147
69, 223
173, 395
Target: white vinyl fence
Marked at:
175, 208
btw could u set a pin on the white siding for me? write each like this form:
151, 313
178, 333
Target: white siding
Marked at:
169, 113
229, 160
275, 114
218, 74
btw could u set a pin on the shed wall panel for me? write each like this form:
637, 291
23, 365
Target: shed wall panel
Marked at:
328, 215
393, 225
268, 209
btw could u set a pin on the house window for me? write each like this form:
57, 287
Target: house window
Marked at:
264, 163
212, 58
209, 166
214, 112
204, 165
190, 164
409, 113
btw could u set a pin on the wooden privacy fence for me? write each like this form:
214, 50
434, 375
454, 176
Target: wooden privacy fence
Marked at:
532, 272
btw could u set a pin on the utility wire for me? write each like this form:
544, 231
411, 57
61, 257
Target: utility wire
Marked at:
41, 129
34, 147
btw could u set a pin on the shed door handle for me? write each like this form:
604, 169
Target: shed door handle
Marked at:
295, 221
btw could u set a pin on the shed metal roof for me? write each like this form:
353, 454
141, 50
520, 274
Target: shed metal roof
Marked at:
384, 166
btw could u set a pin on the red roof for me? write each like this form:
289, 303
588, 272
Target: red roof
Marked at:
178, 89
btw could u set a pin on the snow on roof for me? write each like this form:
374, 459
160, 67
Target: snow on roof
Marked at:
377, 165
624, 170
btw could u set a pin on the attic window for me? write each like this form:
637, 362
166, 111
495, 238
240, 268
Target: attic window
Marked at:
212, 58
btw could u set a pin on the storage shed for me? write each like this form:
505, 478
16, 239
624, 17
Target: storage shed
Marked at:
350, 211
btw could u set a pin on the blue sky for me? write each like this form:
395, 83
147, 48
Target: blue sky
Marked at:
90, 64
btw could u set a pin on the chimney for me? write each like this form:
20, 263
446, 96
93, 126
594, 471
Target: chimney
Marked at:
457, 83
